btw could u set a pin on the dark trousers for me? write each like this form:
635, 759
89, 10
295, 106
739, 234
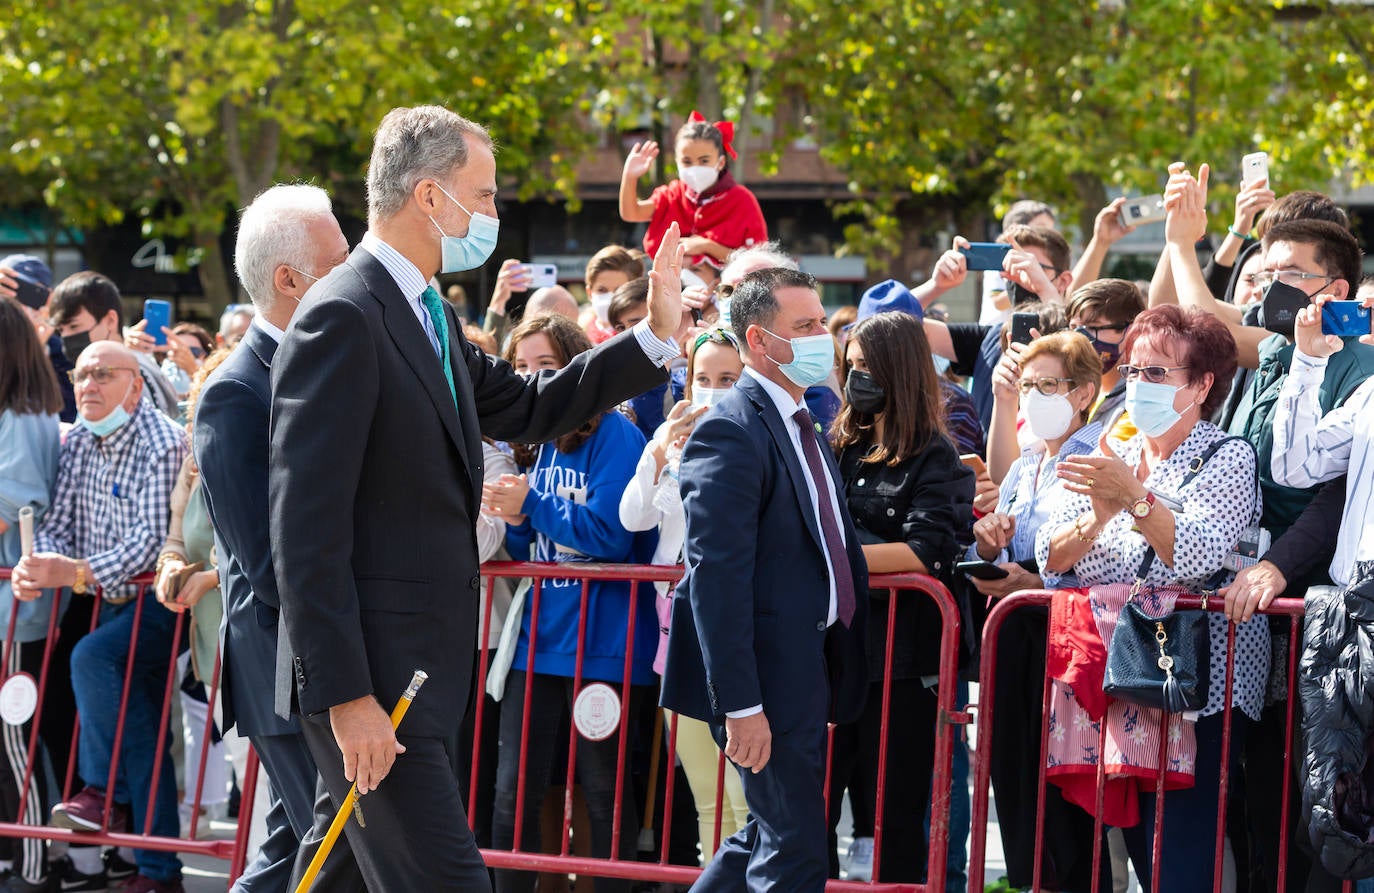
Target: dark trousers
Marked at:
910, 731
417, 835
1015, 760
597, 761
291, 777
30, 855
783, 845
1190, 816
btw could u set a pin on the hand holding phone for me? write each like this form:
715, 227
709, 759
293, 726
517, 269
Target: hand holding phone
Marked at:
1345, 319
982, 570
543, 275
159, 317
985, 255
1254, 168
1139, 211
1021, 326
29, 293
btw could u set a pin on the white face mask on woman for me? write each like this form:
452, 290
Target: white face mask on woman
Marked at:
1048, 417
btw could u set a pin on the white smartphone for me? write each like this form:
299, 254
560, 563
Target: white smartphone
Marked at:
543, 275
1254, 168
1146, 209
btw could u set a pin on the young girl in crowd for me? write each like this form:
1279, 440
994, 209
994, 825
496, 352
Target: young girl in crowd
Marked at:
910, 498
652, 501
716, 214
566, 506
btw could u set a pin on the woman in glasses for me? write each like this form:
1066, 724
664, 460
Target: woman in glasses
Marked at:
652, 501
910, 498
29, 403
1054, 383
1161, 514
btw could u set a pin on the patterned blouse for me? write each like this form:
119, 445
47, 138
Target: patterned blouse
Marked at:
1210, 514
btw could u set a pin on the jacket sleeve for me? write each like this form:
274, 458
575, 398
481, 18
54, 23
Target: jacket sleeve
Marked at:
491, 531
637, 509
325, 381
940, 508
1311, 541
722, 494
231, 442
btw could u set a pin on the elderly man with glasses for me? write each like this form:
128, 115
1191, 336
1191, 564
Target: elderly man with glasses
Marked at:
108, 519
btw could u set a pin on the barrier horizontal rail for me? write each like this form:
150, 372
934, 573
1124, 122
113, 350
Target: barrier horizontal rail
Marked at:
234, 851
1290, 608
616, 866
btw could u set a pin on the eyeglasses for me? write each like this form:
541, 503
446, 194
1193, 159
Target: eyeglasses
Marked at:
1152, 374
103, 375
198, 352
723, 291
1095, 332
1288, 277
716, 336
1048, 385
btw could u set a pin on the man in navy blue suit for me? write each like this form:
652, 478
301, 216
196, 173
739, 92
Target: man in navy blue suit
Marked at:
767, 641
288, 238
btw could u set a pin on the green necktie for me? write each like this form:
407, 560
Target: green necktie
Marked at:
435, 306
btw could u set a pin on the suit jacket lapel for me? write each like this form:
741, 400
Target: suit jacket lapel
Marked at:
261, 344
777, 428
412, 342
467, 404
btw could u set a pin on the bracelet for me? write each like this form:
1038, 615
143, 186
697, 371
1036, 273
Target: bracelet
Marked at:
165, 557
1244, 237
1078, 531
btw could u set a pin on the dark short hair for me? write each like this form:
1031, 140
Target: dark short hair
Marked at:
1333, 245
753, 301
1116, 300
626, 298
1202, 342
1047, 240
1302, 204
89, 291
1023, 212
613, 259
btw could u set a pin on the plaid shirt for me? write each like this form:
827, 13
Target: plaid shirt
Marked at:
112, 501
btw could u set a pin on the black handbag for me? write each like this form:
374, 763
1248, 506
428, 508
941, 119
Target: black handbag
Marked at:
1162, 662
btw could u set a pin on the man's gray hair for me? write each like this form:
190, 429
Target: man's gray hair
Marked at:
763, 256
412, 144
275, 230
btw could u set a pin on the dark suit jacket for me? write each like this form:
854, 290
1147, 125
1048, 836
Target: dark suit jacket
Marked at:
749, 617
376, 480
230, 443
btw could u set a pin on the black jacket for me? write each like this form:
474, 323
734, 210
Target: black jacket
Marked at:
1338, 718
925, 501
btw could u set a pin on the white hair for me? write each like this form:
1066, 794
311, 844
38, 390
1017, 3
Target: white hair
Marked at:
274, 230
226, 319
412, 144
764, 256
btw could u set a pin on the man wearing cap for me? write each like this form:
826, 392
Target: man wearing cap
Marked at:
25, 268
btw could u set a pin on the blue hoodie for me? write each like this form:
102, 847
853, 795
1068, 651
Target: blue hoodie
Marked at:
573, 515
28, 473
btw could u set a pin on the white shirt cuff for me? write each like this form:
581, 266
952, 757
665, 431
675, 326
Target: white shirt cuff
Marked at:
741, 714
1316, 366
659, 352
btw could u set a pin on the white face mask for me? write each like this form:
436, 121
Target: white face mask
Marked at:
601, 303
1048, 417
707, 396
699, 177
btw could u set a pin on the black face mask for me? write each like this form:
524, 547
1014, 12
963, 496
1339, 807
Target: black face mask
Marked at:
1019, 294
72, 345
1280, 306
1108, 352
863, 393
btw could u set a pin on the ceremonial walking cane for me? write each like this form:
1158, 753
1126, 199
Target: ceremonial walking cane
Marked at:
350, 803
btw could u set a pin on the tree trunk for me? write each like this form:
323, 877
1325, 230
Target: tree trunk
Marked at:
1092, 197
214, 277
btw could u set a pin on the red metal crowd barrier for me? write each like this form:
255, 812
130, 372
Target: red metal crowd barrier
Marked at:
235, 851
948, 718
1291, 608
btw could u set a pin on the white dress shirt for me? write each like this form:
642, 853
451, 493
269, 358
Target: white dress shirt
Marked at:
267, 328
412, 284
1310, 448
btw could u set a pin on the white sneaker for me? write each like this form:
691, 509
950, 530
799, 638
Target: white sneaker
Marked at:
860, 859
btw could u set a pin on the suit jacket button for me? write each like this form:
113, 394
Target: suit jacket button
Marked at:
820, 627
475, 583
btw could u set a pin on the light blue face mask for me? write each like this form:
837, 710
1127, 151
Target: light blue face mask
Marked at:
468, 252
941, 363
111, 423
1151, 406
813, 359
723, 305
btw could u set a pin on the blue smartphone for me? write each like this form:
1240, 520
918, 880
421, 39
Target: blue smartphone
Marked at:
985, 255
159, 317
1347, 319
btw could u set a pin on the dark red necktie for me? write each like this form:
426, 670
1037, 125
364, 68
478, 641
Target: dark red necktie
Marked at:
830, 525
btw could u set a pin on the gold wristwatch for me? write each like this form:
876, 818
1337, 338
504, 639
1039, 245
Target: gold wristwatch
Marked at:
79, 585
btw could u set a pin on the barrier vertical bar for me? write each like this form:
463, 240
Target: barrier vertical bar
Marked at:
1157, 841
536, 589
248, 800
123, 710
880, 798
1286, 801
168, 694
483, 662
1046, 700
211, 694
669, 777
617, 817
1098, 795
570, 781
32, 754
76, 723
1224, 784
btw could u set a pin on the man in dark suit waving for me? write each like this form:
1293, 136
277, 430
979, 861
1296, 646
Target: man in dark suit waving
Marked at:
767, 640
288, 239
378, 407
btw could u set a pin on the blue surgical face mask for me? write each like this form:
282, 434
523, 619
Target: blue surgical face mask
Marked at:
723, 305
112, 422
1151, 406
941, 363
468, 252
813, 359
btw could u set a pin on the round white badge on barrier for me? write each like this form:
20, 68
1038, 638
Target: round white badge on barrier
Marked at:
596, 712
18, 699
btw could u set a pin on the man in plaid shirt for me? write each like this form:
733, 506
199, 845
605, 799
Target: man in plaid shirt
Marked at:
108, 520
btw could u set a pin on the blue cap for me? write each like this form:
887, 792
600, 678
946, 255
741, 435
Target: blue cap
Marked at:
29, 267
888, 296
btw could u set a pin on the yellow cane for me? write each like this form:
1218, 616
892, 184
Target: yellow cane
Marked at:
350, 803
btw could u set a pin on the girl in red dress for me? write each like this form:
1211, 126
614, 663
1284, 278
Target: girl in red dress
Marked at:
715, 214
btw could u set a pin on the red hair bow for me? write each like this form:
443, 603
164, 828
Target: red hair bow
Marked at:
726, 128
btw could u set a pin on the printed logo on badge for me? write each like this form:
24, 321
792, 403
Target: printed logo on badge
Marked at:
18, 699
596, 712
